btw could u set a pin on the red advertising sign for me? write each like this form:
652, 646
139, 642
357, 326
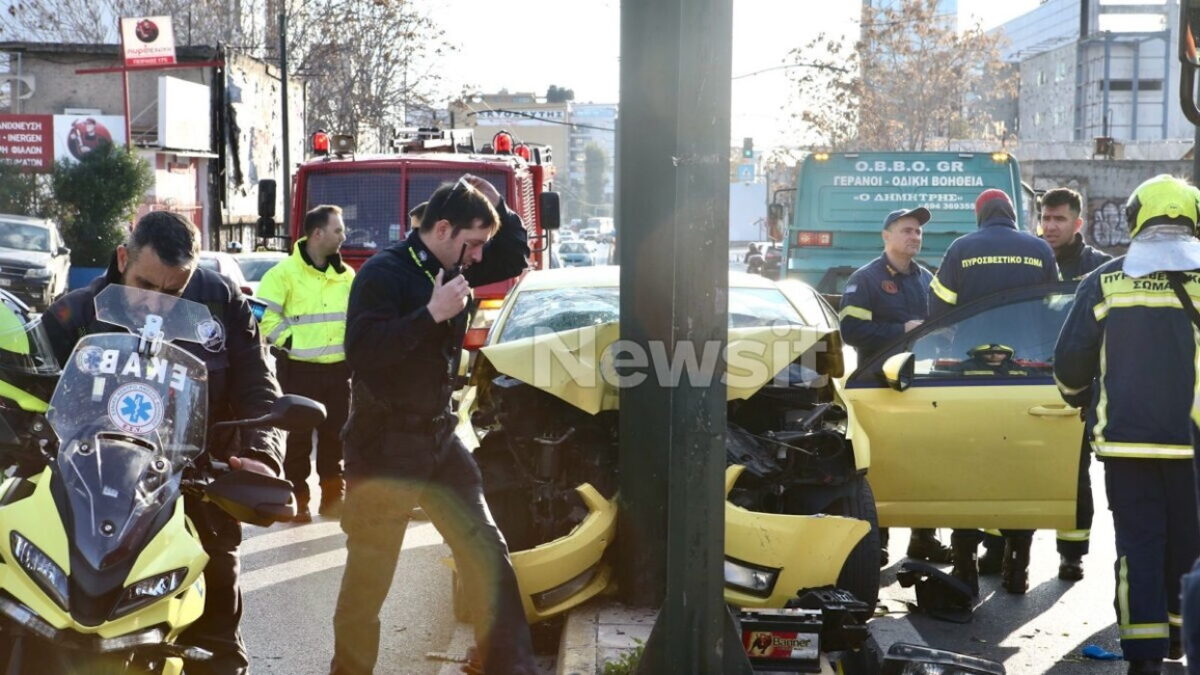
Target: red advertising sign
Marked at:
148, 41
28, 141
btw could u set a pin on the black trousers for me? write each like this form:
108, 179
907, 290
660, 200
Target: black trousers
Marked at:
388, 475
217, 628
1074, 543
328, 383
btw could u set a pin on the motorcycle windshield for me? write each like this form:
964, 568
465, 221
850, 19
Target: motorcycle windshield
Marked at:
128, 424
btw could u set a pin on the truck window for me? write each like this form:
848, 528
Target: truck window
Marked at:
370, 202
422, 184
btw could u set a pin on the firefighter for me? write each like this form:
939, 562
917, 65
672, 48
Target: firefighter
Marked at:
305, 320
991, 359
160, 254
1127, 353
883, 300
401, 449
1060, 226
996, 257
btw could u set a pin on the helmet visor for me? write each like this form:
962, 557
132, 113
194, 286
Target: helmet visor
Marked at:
25, 346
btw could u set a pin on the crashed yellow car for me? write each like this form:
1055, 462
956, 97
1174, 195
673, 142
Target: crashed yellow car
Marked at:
543, 400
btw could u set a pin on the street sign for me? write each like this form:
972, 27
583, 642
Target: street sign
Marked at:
745, 173
148, 41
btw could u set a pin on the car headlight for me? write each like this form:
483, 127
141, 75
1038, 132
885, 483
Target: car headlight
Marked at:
559, 594
45, 572
37, 273
752, 579
149, 590
909, 659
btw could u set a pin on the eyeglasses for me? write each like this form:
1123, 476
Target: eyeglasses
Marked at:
460, 189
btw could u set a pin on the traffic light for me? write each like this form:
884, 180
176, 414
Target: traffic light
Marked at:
748, 148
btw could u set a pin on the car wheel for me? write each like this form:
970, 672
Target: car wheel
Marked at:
860, 574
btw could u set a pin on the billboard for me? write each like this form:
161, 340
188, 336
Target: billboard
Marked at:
183, 114
148, 41
27, 141
77, 135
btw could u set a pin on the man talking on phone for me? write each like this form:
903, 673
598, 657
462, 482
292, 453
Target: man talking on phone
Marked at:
400, 447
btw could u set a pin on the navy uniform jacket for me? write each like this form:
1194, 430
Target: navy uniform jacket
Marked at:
1076, 259
877, 302
994, 258
1134, 338
240, 383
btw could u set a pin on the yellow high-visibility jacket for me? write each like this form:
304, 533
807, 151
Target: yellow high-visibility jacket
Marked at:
307, 307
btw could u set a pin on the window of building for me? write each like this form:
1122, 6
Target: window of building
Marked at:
1041, 77
1127, 85
1037, 119
1060, 71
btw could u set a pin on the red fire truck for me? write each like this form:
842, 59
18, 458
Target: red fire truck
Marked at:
376, 193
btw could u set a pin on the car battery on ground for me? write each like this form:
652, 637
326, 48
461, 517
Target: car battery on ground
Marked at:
843, 616
782, 640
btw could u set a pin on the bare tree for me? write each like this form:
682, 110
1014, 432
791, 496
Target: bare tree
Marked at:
366, 61
910, 82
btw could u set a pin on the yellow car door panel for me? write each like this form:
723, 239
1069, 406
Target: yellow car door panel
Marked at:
981, 438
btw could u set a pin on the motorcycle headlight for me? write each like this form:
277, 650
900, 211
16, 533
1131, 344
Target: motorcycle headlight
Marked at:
45, 572
148, 590
749, 578
38, 273
909, 659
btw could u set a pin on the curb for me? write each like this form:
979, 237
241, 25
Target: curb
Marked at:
577, 650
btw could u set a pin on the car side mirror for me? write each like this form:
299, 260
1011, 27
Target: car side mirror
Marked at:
289, 412
898, 370
63, 250
548, 204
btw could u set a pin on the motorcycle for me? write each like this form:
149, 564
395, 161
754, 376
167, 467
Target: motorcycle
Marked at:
102, 569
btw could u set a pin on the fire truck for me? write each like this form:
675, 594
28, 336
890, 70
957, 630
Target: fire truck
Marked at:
377, 191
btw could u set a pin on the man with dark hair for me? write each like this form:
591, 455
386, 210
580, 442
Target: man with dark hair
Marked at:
306, 295
416, 215
161, 255
1060, 226
994, 258
400, 444
883, 300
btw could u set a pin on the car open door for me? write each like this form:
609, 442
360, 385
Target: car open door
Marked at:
965, 445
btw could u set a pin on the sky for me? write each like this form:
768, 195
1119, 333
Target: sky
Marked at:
529, 45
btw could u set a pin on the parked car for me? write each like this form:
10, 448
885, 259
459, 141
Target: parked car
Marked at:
255, 265
577, 254
548, 444
34, 263
952, 446
589, 234
226, 264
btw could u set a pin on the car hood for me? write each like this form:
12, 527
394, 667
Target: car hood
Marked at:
11, 257
577, 366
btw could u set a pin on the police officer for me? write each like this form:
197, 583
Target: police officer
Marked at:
306, 296
1127, 352
400, 444
1061, 222
161, 255
995, 257
883, 300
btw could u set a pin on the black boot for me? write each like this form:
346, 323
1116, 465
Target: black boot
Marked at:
966, 568
1070, 569
992, 560
332, 492
1016, 565
924, 545
1175, 650
1148, 667
303, 515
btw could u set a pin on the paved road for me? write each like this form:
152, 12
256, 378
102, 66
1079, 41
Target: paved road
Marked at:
1041, 632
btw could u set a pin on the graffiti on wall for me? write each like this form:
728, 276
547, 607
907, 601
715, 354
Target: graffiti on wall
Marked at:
1106, 226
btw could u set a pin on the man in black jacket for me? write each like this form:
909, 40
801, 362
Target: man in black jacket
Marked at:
402, 331
161, 255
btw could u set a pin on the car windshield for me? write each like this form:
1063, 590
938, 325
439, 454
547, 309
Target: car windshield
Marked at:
561, 309
207, 263
23, 237
573, 248
255, 268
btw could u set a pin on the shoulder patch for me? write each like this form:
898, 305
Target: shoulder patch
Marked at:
850, 288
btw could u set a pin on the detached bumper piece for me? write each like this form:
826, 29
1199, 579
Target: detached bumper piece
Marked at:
908, 658
783, 640
150, 640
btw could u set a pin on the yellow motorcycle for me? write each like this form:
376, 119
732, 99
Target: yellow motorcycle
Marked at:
102, 569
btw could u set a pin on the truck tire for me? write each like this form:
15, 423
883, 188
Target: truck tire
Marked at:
860, 574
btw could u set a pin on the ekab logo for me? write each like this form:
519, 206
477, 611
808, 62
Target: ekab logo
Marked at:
135, 408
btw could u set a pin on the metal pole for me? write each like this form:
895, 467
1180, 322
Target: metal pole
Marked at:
673, 145
287, 159
124, 87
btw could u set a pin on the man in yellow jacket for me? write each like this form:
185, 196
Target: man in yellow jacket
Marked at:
306, 295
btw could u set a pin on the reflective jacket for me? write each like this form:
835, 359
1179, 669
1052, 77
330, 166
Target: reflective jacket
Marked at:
879, 300
994, 258
306, 307
1076, 259
1135, 339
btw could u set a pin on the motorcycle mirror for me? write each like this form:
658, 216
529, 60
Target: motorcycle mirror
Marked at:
252, 497
289, 412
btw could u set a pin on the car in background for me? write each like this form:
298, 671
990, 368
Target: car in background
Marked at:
226, 264
589, 234
577, 254
255, 265
567, 237
34, 263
